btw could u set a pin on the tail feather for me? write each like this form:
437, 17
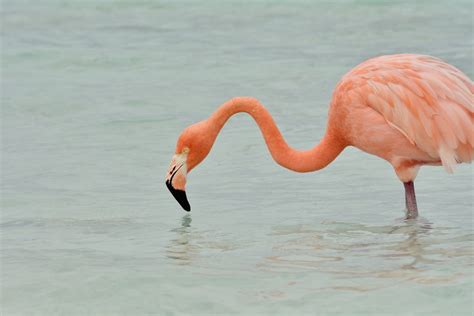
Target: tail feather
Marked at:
448, 158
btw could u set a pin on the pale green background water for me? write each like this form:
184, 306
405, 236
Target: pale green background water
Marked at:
94, 95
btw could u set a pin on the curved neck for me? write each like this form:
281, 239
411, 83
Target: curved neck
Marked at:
300, 161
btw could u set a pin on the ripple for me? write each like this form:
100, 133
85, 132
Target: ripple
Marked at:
407, 251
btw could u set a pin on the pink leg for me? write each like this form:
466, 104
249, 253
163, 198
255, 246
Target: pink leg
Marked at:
410, 200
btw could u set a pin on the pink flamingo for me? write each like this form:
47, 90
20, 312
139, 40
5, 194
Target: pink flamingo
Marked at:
410, 110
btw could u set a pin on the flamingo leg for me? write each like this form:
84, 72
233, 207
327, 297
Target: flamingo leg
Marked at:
410, 200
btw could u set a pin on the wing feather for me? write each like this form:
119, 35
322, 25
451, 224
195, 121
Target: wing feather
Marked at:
429, 101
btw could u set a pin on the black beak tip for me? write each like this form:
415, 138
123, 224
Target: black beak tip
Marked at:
180, 196
187, 207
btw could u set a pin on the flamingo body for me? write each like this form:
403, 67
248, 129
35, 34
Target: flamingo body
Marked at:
410, 110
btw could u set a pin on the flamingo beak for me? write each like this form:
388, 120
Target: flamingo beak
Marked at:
175, 182
180, 196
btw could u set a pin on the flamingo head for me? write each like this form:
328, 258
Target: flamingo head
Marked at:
193, 146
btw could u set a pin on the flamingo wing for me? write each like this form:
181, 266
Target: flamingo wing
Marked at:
427, 100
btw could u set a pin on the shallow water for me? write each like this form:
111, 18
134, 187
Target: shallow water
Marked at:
94, 95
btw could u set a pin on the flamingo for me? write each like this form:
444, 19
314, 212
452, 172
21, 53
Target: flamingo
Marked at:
411, 110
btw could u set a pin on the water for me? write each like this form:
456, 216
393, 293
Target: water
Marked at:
94, 95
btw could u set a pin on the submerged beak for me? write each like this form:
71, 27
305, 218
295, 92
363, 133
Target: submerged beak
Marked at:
180, 196
176, 185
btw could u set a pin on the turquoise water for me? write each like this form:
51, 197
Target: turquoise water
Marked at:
94, 95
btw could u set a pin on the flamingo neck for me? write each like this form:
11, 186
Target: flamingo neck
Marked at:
313, 159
